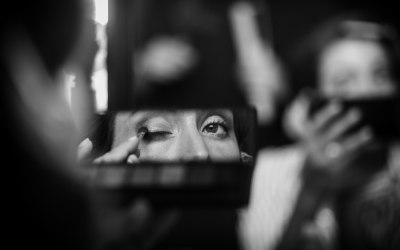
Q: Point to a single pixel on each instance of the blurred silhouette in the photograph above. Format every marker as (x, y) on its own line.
(182, 53)
(349, 165)
(259, 70)
(312, 194)
(49, 206)
(52, 205)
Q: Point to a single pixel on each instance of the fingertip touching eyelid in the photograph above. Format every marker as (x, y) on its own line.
(154, 124)
(156, 135)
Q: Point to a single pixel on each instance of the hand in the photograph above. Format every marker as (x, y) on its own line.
(134, 225)
(331, 150)
(125, 152)
(325, 138)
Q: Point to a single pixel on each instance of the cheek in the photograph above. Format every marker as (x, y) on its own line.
(156, 151)
(381, 87)
(226, 150)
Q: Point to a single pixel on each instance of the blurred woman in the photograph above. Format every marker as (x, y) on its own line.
(48, 207)
(348, 167)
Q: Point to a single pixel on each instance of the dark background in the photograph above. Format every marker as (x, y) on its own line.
(293, 19)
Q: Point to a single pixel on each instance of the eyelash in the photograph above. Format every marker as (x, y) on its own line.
(159, 135)
(154, 135)
(218, 123)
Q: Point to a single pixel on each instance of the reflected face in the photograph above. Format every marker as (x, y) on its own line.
(355, 68)
(185, 135)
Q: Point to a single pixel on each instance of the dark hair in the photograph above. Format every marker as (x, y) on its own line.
(245, 122)
(349, 25)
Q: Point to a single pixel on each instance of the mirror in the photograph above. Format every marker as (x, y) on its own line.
(176, 156)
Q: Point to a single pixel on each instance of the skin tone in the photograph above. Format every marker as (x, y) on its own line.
(176, 136)
(355, 68)
(348, 69)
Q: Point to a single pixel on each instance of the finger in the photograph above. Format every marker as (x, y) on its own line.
(348, 149)
(84, 149)
(339, 127)
(120, 153)
(325, 116)
(132, 159)
(357, 141)
(352, 148)
(296, 117)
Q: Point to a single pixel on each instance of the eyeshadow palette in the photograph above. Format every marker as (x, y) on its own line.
(177, 184)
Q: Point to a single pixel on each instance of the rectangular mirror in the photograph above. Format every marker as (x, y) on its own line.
(180, 157)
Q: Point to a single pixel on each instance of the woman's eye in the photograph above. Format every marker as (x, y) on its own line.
(215, 129)
(156, 135)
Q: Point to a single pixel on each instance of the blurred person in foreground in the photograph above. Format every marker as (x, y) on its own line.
(51, 205)
(337, 187)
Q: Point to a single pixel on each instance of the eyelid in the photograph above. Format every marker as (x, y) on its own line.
(214, 119)
(154, 124)
(156, 136)
(220, 122)
(219, 115)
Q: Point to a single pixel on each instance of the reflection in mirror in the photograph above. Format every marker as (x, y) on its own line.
(166, 154)
(175, 135)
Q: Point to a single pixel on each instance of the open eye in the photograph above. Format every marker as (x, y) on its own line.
(215, 126)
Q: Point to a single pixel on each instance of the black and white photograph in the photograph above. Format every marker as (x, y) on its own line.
(201, 124)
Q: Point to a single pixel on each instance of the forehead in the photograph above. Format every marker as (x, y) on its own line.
(178, 114)
(352, 53)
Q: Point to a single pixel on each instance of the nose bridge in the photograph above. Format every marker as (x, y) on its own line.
(192, 145)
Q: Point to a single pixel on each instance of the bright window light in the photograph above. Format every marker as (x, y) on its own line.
(101, 11)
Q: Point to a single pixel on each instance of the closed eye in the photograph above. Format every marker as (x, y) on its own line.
(156, 135)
